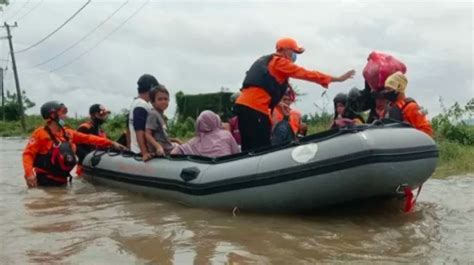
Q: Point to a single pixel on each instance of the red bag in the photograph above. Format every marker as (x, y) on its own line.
(379, 67)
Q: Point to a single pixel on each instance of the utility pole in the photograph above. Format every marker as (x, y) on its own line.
(15, 73)
(3, 94)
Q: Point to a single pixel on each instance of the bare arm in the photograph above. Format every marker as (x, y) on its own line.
(150, 139)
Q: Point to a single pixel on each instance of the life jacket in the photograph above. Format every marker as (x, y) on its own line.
(294, 119)
(259, 76)
(89, 125)
(396, 113)
(60, 159)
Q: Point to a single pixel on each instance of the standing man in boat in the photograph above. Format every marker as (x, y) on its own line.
(50, 156)
(138, 115)
(264, 85)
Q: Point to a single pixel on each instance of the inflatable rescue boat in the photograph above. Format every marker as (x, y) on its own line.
(327, 168)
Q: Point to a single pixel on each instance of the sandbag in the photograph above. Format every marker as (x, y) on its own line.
(380, 66)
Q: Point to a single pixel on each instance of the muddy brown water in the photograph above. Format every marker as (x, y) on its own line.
(87, 224)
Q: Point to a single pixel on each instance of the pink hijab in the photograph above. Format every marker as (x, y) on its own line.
(210, 140)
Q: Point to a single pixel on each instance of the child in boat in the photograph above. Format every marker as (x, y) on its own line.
(211, 139)
(156, 136)
(342, 115)
(380, 108)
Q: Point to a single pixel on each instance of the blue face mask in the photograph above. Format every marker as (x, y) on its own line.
(61, 122)
(294, 56)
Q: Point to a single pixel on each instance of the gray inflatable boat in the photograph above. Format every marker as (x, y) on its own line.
(323, 169)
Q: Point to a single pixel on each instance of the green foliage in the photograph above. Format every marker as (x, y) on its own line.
(12, 108)
(451, 124)
(193, 105)
(115, 126)
(317, 122)
(454, 158)
(13, 128)
(4, 3)
(182, 130)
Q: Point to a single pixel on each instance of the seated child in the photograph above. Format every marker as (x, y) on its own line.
(156, 136)
(343, 116)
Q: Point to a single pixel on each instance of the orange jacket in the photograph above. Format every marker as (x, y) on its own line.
(412, 114)
(294, 119)
(41, 143)
(281, 69)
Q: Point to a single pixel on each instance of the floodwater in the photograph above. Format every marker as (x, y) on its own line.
(87, 224)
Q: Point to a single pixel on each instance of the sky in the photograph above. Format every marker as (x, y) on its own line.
(201, 46)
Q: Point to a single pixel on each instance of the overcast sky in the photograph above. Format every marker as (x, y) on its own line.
(201, 46)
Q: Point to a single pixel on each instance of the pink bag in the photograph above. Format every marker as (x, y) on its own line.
(379, 67)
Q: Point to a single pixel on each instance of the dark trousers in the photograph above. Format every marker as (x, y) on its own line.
(255, 128)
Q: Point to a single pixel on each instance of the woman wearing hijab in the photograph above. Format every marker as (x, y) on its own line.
(211, 139)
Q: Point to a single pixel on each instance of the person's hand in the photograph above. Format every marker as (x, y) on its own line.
(285, 109)
(347, 75)
(147, 156)
(159, 151)
(118, 146)
(176, 140)
(343, 122)
(31, 181)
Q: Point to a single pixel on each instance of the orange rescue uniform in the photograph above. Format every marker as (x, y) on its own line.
(412, 114)
(281, 69)
(40, 143)
(294, 119)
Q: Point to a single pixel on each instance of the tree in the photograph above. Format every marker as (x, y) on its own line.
(4, 3)
(12, 109)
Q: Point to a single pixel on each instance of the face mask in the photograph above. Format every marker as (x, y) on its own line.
(98, 121)
(61, 122)
(391, 96)
(294, 56)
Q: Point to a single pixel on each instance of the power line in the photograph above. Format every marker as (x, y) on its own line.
(21, 8)
(84, 37)
(103, 39)
(29, 11)
(56, 30)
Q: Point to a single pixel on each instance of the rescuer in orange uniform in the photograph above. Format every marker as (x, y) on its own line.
(50, 156)
(283, 110)
(264, 85)
(98, 116)
(402, 108)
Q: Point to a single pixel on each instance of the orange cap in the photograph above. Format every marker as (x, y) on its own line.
(288, 43)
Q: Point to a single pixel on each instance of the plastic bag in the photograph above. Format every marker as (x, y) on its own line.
(380, 66)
